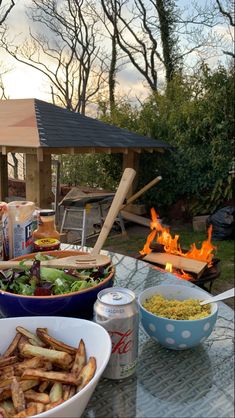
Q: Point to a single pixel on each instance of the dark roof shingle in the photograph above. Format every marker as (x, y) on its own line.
(60, 128)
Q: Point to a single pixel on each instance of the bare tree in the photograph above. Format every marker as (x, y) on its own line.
(67, 54)
(167, 16)
(138, 45)
(227, 11)
(5, 8)
(157, 36)
(2, 89)
(112, 16)
(145, 33)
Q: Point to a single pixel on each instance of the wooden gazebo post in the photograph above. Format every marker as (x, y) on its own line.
(3, 177)
(131, 159)
(38, 179)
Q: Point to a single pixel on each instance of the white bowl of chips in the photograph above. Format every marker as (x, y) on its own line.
(56, 369)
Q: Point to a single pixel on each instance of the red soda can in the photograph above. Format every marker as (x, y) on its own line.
(116, 310)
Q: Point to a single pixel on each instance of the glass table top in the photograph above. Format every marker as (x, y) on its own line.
(195, 383)
(169, 384)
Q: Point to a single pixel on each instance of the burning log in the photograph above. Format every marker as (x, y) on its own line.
(168, 249)
(178, 262)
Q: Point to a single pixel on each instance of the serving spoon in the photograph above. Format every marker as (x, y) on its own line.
(90, 259)
(225, 295)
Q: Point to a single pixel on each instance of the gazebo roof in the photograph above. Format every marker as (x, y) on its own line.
(32, 123)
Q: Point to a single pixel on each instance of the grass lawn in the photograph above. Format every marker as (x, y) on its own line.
(224, 250)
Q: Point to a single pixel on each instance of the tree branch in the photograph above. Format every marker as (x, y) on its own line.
(5, 10)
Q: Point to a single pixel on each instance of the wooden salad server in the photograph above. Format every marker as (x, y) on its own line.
(92, 259)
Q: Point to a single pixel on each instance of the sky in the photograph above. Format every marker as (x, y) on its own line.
(22, 81)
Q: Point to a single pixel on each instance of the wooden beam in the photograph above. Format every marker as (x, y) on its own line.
(143, 190)
(72, 151)
(40, 154)
(80, 150)
(161, 150)
(135, 218)
(83, 150)
(20, 150)
(3, 177)
(38, 180)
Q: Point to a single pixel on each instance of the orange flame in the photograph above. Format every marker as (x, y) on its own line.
(169, 267)
(171, 245)
(205, 252)
(150, 238)
(184, 275)
(155, 224)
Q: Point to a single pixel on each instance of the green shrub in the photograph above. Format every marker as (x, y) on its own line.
(196, 116)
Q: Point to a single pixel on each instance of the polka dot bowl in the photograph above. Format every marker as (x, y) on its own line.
(172, 333)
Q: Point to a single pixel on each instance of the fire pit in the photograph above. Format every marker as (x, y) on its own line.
(163, 250)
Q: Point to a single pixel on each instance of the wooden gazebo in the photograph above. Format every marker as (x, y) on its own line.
(40, 129)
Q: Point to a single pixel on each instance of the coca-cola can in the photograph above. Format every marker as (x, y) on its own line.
(116, 310)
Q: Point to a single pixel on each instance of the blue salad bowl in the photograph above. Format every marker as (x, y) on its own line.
(76, 304)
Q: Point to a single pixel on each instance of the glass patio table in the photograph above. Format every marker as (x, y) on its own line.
(169, 384)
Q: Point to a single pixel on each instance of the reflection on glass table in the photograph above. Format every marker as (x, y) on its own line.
(168, 383)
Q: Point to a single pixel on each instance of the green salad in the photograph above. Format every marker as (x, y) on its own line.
(46, 281)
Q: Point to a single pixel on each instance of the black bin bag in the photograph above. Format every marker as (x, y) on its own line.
(223, 223)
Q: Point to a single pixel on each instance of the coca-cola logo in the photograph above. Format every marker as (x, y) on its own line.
(122, 342)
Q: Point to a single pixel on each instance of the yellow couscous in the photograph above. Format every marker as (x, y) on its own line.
(176, 309)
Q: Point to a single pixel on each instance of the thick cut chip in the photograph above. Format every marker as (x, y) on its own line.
(43, 386)
(68, 378)
(24, 384)
(72, 391)
(59, 357)
(54, 343)
(87, 373)
(53, 405)
(31, 410)
(22, 342)
(13, 346)
(6, 361)
(8, 381)
(7, 371)
(66, 391)
(40, 406)
(56, 392)
(80, 358)
(30, 336)
(32, 363)
(32, 395)
(17, 395)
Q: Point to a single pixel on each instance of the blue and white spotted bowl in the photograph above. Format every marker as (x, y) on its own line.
(172, 333)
